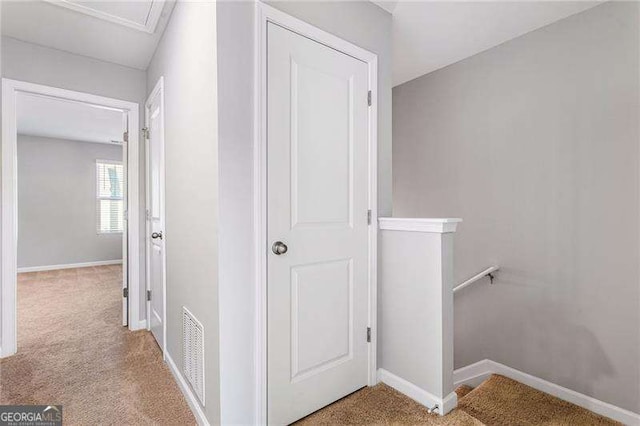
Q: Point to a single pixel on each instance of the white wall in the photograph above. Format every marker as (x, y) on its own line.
(51, 67)
(237, 282)
(361, 23)
(416, 300)
(186, 57)
(535, 144)
(57, 208)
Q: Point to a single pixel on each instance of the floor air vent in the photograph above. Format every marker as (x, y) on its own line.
(193, 353)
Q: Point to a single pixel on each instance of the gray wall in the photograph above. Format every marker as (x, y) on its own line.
(361, 23)
(38, 64)
(57, 216)
(534, 144)
(51, 67)
(186, 57)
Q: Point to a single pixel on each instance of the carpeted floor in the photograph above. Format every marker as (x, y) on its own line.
(496, 402)
(73, 351)
(382, 405)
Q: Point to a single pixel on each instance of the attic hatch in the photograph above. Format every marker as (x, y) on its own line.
(142, 15)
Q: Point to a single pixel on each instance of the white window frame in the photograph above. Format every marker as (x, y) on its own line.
(99, 198)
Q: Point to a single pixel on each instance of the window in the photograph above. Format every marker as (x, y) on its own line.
(110, 180)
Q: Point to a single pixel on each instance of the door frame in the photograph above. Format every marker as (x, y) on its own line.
(158, 88)
(9, 202)
(264, 15)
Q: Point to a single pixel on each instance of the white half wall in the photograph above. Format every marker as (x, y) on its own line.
(415, 324)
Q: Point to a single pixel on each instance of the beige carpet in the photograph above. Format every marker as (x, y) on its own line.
(73, 351)
(497, 401)
(502, 401)
(382, 405)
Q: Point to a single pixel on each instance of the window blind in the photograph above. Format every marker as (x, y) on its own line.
(110, 196)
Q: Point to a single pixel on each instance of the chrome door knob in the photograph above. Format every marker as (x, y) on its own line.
(156, 235)
(279, 248)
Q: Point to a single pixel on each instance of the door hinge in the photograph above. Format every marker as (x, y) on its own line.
(125, 292)
(125, 136)
(148, 294)
(148, 214)
(145, 132)
(368, 217)
(368, 334)
(369, 98)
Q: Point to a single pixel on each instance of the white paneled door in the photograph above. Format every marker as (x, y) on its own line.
(318, 197)
(155, 213)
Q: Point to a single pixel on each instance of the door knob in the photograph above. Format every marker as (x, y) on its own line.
(156, 235)
(279, 248)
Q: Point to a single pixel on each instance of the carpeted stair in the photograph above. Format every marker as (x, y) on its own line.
(497, 401)
(502, 401)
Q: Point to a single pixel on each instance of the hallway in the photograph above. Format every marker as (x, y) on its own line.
(73, 351)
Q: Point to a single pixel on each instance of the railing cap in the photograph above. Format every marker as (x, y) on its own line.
(434, 225)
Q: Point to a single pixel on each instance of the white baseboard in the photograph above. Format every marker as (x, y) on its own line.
(141, 325)
(187, 392)
(69, 266)
(4, 355)
(474, 374)
(416, 393)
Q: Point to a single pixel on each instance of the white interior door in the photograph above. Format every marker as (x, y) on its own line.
(318, 198)
(155, 213)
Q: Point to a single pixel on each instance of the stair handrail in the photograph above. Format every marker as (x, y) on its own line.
(486, 273)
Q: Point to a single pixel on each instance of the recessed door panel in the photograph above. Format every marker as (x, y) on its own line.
(322, 317)
(321, 145)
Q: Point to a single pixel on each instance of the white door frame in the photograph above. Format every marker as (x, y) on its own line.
(158, 88)
(9, 228)
(264, 15)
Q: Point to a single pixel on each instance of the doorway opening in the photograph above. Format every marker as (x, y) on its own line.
(70, 205)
